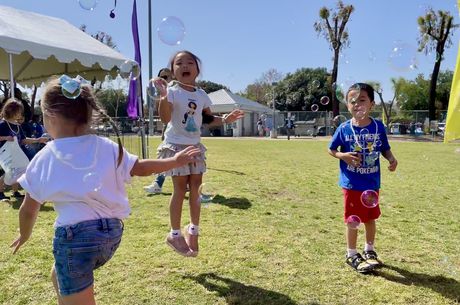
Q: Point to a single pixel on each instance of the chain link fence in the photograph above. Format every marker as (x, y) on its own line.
(322, 123)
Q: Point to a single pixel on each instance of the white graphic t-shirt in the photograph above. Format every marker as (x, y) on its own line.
(186, 117)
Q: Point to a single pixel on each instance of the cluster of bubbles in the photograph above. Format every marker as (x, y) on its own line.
(171, 30)
(324, 100)
(369, 199)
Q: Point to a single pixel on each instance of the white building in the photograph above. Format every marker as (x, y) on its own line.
(224, 101)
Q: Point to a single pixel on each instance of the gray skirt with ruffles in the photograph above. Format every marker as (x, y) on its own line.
(167, 150)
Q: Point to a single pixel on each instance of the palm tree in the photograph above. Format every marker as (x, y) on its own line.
(435, 35)
(332, 25)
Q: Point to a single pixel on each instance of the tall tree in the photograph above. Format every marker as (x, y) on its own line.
(332, 26)
(436, 29)
(443, 87)
(412, 93)
(113, 101)
(262, 89)
(302, 89)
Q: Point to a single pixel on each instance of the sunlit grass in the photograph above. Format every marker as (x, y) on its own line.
(274, 234)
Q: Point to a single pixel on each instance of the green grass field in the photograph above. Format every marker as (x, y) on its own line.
(274, 235)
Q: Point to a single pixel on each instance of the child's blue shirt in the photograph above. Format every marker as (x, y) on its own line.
(369, 142)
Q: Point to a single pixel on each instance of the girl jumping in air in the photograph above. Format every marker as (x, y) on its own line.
(183, 107)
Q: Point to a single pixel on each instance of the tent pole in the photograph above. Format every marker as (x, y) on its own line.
(10, 59)
(141, 120)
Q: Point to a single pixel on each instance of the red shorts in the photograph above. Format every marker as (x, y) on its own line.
(353, 206)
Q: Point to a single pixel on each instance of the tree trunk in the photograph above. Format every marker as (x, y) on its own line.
(385, 110)
(432, 95)
(335, 102)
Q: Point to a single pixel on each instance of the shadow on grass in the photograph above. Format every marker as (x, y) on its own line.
(227, 171)
(447, 287)
(16, 204)
(232, 202)
(159, 194)
(237, 293)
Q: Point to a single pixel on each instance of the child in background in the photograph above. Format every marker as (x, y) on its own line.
(10, 127)
(84, 175)
(157, 185)
(358, 143)
(173, 109)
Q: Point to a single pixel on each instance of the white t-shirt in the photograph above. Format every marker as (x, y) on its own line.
(80, 176)
(186, 117)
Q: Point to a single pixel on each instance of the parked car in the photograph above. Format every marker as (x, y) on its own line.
(325, 131)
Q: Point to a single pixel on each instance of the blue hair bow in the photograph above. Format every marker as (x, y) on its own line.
(71, 87)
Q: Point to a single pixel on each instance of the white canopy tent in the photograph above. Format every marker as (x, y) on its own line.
(34, 47)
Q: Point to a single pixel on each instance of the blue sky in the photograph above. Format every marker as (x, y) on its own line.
(239, 40)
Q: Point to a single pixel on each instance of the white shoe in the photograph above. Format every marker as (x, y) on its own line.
(153, 189)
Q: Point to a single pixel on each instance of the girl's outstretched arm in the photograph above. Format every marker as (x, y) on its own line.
(147, 167)
(27, 216)
(226, 119)
(164, 107)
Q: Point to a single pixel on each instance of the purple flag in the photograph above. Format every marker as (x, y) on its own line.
(135, 85)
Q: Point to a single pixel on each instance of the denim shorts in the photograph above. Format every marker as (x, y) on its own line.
(80, 248)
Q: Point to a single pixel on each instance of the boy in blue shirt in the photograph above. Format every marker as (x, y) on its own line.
(358, 144)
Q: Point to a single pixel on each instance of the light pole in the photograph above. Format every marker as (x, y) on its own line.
(273, 131)
(150, 101)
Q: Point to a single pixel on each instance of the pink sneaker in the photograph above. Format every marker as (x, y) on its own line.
(192, 241)
(178, 244)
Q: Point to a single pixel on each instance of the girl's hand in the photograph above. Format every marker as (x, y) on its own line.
(233, 116)
(9, 138)
(351, 158)
(393, 164)
(17, 243)
(187, 155)
(161, 85)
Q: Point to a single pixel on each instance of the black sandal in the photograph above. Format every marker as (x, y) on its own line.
(371, 258)
(358, 263)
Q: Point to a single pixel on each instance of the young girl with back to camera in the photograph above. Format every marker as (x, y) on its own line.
(84, 175)
(184, 107)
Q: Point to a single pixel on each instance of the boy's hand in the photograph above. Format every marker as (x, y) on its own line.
(187, 155)
(351, 158)
(393, 164)
(17, 243)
